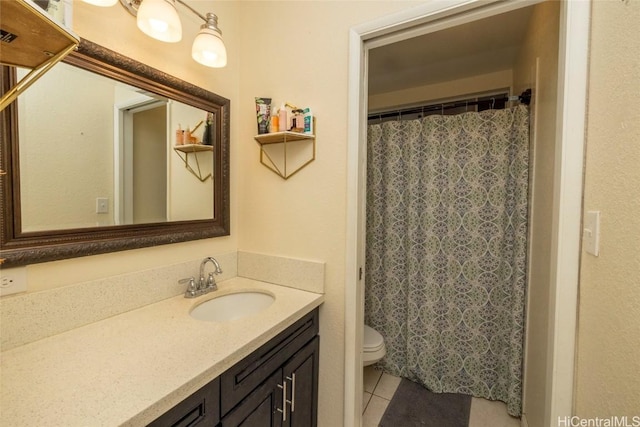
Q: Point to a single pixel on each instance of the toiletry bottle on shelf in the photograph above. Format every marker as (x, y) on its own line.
(263, 114)
(282, 119)
(187, 136)
(179, 136)
(207, 137)
(274, 124)
(308, 121)
(298, 120)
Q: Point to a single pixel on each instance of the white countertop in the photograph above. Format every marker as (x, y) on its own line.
(133, 367)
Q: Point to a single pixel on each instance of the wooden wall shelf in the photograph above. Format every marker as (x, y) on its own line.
(31, 39)
(285, 138)
(193, 148)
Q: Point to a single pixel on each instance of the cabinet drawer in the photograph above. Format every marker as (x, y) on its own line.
(201, 408)
(243, 377)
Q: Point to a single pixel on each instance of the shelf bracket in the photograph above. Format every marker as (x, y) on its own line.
(185, 160)
(31, 78)
(284, 139)
(31, 39)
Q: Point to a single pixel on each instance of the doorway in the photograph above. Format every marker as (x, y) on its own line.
(141, 169)
(564, 249)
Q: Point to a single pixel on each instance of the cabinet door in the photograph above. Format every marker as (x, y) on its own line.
(201, 408)
(261, 408)
(242, 378)
(301, 375)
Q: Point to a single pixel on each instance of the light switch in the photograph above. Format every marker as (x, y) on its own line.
(591, 232)
(102, 205)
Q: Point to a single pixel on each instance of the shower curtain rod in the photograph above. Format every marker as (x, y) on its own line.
(524, 98)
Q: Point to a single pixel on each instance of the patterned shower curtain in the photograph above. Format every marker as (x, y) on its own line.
(447, 209)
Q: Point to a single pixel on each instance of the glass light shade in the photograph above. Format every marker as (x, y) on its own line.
(101, 3)
(208, 49)
(159, 19)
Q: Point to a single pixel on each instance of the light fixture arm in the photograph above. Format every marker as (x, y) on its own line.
(133, 5)
(211, 20)
(192, 10)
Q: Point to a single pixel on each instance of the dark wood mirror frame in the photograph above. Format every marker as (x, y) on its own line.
(18, 248)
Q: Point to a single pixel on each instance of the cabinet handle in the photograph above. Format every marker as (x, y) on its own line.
(293, 391)
(284, 401)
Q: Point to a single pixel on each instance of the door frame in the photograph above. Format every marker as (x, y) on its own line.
(567, 191)
(123, 153)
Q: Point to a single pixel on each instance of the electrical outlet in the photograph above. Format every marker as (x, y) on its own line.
(13, 280)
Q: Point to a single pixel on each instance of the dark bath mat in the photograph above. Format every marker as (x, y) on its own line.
(413, 405)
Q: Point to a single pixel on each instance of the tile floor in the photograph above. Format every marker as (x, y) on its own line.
(379, 389)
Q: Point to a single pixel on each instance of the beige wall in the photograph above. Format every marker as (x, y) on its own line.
(189, 198)
(476, 84)
(608, 366)
(63, 149)
(304, 216)
(539, 47)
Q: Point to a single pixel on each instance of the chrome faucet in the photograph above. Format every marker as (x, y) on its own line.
(210, 283)
(203, 286)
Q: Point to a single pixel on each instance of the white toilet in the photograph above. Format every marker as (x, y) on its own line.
(373, 348)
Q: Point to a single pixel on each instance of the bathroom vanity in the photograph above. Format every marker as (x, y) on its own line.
(276, 385)
(157, 365)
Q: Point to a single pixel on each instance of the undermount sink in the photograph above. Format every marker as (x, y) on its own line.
(232, 306)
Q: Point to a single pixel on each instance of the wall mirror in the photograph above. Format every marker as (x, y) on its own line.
(105, 154)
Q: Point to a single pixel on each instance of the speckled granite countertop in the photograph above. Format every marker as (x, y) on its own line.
(131, 368)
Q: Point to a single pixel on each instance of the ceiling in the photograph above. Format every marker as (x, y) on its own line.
(479, 47)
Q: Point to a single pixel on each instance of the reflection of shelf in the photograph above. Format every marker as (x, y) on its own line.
(286, 138)
(193, 149)
(31, 39)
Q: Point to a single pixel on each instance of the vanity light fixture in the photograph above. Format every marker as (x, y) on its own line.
(208, 47)
(159, 19)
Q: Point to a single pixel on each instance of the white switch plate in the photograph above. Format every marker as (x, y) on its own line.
(102, 205)
(13, 280)
(591, 233)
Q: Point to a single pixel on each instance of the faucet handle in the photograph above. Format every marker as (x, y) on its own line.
(211, 283)
(191, 289)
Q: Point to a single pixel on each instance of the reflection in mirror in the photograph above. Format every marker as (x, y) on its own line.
(104, 153)
(97, 152)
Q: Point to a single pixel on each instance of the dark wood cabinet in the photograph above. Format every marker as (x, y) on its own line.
(275, 386)
(201, 408)
(261, 408)
(301, 375)
(288, 398)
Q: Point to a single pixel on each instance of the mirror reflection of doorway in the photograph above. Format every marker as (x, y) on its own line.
(142, 190)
